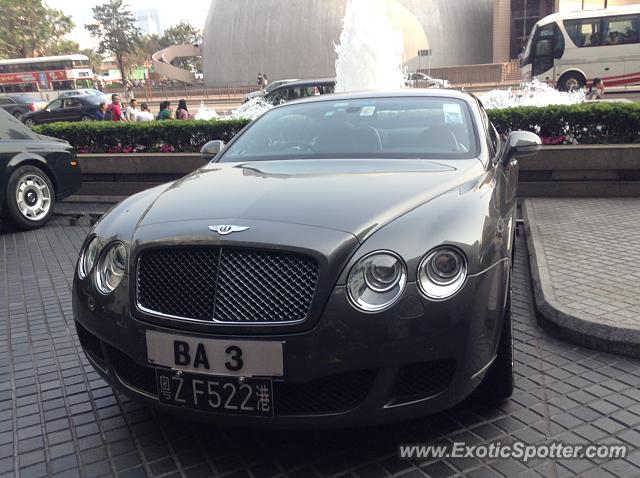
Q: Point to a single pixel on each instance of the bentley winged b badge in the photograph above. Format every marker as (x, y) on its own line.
(225, 229)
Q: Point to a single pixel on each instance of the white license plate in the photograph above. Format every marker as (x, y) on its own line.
(246, 358)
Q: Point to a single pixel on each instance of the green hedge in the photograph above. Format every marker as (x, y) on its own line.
(152, 136)
(592, 123)
(588, 123)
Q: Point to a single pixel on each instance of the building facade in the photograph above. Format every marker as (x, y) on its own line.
(297, 38)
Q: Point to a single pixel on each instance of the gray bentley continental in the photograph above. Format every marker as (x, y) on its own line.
(344, 260)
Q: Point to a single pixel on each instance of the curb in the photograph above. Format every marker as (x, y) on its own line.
(559, 320)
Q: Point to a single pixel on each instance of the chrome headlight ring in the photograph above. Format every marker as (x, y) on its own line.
(88, 257)
(111, 268)
(376, 281)
(442, 273)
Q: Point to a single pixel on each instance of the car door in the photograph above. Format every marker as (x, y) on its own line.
(72, 109)
(52, 112)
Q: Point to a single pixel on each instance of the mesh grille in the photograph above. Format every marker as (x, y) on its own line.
(335, 393)
(179, 282)
(228, 285)
(269, 287)
(424, 379)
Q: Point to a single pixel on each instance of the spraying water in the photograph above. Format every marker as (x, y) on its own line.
(205, 113)
(371, 51)
(534, 93)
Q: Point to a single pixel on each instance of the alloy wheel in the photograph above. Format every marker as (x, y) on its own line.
(33, 197)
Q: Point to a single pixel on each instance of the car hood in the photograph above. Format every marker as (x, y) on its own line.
(354, 196)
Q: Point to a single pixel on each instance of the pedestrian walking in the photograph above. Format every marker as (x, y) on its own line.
(165, 112)
(100, 112)
(114, 111)
(144, 114)
(182, 113)
(131, 111)
(597, 90)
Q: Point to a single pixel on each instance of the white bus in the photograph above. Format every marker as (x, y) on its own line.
(569, 50)
(45, 73)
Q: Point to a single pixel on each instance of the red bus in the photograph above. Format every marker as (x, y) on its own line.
(46, 73)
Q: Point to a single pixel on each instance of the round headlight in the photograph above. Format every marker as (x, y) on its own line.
(88, 258)
(442, 273)
(111, 268)
(376, 281)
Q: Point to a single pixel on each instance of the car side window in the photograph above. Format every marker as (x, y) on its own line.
(72, 103)
(54, 105)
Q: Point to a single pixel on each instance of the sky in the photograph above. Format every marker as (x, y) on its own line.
(170, 13)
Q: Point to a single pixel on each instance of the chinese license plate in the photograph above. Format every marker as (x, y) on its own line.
(227, 395)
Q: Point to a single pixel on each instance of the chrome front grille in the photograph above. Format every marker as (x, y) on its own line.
(233, 286)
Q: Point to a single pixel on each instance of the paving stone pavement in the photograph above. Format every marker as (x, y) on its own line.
(591, 248)
(58, 418)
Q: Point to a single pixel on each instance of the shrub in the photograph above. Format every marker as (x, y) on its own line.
(153, 136)
(589, 123)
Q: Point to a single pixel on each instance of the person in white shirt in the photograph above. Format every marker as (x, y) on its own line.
(131, 111)
(144, 114)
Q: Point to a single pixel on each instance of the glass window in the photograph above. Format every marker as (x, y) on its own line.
(6, 101)
(584, 32)
(54, 105)
(11, 128)
(621, 30)
(72, 103)
(414, 127)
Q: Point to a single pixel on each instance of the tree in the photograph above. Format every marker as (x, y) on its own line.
(29, 28)
(116, 31)
(183, 33)
(95, 59)
(64, 47)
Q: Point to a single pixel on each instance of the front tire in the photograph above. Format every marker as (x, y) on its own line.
(86, 118)
(499, 382)
(30, 197)
(30, 123)
(572, 81)
(18, 115)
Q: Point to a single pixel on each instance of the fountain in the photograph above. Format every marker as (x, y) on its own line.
(205, 113)
(371, 51)
(533, 93)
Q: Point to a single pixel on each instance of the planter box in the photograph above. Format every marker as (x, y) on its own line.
(558, 171)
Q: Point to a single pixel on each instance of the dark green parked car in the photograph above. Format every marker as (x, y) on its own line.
(35, 172)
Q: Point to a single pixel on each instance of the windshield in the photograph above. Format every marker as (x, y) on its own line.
(11, 128)
(404, 127)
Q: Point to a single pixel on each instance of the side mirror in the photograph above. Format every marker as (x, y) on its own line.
(522, 144)
(211, 149)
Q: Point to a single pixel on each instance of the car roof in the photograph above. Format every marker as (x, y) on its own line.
(308, 82)
(399, 93)
(93, 98)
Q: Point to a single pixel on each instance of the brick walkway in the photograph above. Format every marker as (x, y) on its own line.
(58, 418)
(592, 249)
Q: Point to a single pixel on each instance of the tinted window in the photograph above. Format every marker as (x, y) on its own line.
(11, 128)
(621, 30)
(6, 101)
(584, 32)
(54, 105)
(414, 127)
(72, 103)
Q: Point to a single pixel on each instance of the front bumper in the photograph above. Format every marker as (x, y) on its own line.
(350, 369)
